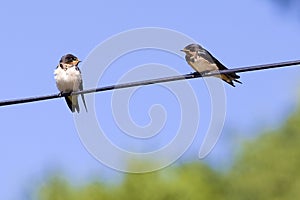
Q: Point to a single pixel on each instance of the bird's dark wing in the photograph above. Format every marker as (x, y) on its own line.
(206, 55)
(81, 88)
(212, 59)
(82, 96)
(220, 65)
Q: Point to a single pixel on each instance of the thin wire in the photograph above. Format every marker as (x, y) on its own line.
(152, 81)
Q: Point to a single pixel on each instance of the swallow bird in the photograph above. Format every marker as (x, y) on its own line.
(202, 61)
(68, 79)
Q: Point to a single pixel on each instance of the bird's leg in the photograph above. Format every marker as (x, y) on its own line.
(194, 73)
(203, 73)
(61, 94)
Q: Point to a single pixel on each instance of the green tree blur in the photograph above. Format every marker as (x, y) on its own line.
(265, 168)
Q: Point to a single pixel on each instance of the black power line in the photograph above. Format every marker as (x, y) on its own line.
(152, 81)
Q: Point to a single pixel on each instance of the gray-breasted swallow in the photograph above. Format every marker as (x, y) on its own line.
(202, 61)
(68, 79)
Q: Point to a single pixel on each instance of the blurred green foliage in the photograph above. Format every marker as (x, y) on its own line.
(266, 168)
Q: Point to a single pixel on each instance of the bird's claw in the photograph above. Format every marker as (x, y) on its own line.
(63, 94)
(206, 72)
(194, 73)
(203, 73)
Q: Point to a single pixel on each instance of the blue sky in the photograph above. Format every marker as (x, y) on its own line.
(41, 137)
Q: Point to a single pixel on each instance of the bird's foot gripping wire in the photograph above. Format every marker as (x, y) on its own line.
(205, 72)
(194, 73)
(197, 74)
(63, 94)
(60, 94)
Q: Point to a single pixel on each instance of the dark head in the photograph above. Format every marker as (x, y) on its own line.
(191, 49)
(69, 59)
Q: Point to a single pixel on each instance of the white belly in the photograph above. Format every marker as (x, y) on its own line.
(67, 80)
(201, 65)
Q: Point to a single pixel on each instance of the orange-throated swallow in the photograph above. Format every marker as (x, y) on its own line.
(68, 79)
(202, 61)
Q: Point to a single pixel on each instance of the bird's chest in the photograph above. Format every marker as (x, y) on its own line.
(67, 80)
(200, 64)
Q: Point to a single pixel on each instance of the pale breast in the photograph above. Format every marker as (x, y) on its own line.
(67, 80)
(200, 65)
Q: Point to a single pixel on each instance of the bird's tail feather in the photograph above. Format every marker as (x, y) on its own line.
(83, 100)
(72, 102)
(237, 81)
(229, 79)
